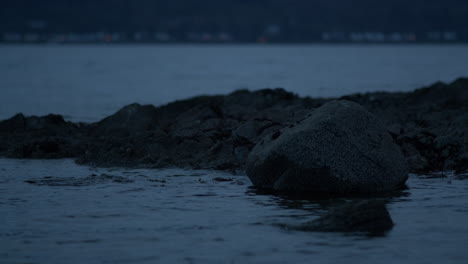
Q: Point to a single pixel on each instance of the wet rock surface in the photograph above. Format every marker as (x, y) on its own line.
(218, 132)
(340, 148)
(432, 122)
(368, 216)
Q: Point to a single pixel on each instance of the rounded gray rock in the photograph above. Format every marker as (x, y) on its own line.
(340, 148)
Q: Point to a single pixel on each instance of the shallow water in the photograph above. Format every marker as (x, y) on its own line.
(89, 82)
(55, 211)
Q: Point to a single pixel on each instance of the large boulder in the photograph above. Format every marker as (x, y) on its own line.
(339, 149)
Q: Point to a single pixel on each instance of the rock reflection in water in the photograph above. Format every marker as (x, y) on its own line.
(174, 215)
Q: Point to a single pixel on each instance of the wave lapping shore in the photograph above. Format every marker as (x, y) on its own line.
(217, 132)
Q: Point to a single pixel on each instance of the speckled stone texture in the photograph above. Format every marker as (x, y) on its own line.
(340, 148)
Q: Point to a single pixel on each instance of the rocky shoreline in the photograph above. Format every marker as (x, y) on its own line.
(218, 132)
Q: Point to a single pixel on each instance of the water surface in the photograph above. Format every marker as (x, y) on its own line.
(89, 82)
(58, 212)
(55, 211)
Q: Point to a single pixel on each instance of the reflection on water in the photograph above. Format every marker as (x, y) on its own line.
(57, 211)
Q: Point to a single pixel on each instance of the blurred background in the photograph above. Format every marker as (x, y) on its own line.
(214, 21)
(87, 58)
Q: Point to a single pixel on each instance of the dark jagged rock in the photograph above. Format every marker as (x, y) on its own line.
(370, 216)
(218, 132)
(47, 137)
(131, 119)
(50, 124)
(339, 149)
(433, 122)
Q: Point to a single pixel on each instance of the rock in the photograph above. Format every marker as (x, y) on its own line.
(241, 153)
(441, 94)
(460, 163)
(15, 123)
(254, 128)
(52, 124)
(370, 216)
(442, 142)
(339, 149)
(217, 132)
(128, 120)
(45, 137)
(394, 130)
(248, 130)
(417, 163)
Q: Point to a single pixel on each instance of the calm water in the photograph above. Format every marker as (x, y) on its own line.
(86, 83)
(55, 212)
(59, 212)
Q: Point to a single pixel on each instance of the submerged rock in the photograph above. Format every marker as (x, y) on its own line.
(339, 149)
(370, 216)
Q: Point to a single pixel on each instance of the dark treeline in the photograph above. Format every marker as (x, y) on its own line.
(241, 20)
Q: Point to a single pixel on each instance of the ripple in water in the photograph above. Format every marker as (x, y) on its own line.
(56, 211)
